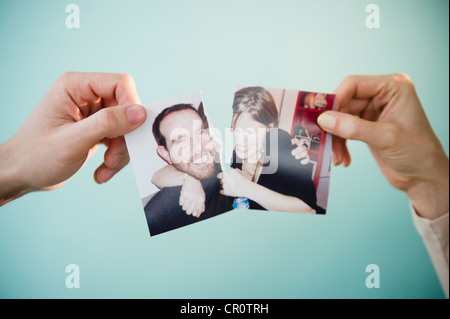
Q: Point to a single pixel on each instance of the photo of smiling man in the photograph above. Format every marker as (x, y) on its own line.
(189, 187)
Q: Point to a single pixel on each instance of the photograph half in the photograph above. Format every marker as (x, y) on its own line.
(280, 153)
(176, 165)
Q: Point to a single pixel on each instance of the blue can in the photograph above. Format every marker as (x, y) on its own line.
(241, 203)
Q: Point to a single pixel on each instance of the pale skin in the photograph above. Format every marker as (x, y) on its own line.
(300, 152)
(238, 185)
(187, 140)
(193, 196)
(385, 112)
(250, 137)
(82, 110)
(382, 111)
(78, 112)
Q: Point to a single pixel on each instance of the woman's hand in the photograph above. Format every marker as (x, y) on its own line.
(385, 112)
(235, 184)
(192, 196)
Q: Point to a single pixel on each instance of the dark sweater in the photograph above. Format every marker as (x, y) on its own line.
(291, 178)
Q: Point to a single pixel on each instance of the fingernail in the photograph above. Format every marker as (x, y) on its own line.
(326, 121)
(135, 114)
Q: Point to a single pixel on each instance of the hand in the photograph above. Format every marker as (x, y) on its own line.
(300, 152)
(192, 196)
(385, 112)
(234, 184)
(79, 111)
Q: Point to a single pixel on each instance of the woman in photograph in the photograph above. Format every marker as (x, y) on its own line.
(264, 168)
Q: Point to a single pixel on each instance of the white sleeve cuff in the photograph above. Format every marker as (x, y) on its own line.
(435, 235)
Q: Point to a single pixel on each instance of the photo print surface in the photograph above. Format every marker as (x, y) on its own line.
(174, 161)
(281, 158)
(274, 156)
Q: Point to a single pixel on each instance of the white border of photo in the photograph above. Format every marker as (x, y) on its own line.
(142, 145)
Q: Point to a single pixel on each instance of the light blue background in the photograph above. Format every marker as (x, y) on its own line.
(175, 47)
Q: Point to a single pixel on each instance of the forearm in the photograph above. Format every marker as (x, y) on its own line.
(11, 185)
(272, 200)
(168, 176)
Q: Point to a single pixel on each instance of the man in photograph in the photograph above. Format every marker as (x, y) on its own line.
(184, 143)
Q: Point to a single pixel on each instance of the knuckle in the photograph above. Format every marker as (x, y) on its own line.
(350, 78)
(352, 127)
(64, 80)
(106, 121)
(67, 75)
(126, 78)
(402, 79)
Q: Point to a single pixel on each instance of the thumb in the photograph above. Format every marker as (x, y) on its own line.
(111, 121)
(377, 134)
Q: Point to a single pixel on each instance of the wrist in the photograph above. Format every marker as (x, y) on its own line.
(250, 190)
(189, 181)
(430, 195)
(12, 181)
(186, 178)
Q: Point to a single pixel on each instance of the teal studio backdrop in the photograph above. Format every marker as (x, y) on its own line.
(176, 47)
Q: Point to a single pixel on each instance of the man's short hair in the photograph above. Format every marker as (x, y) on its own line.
(160, 139)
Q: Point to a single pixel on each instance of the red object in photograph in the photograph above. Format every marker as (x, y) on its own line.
(304, 125)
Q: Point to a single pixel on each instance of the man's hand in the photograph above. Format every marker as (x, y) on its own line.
(300, 152)
(385, 112)
(79, 111)
(192, 196)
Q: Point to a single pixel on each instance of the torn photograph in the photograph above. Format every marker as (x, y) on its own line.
(273, 157)
(281, 157)
(176, 166)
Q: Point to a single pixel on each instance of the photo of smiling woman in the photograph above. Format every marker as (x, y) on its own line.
(260, 143)
(271, 169)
